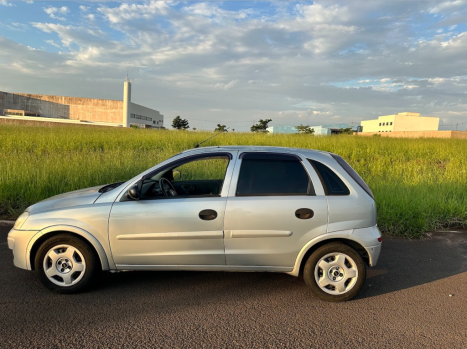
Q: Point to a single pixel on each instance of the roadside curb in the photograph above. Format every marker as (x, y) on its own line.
(7, 222)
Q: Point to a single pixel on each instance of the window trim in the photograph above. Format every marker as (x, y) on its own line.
(179, 162)
(187, 159)
(310, 189)
(243, 154)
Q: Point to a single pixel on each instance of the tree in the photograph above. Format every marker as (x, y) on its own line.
(261, 126)
(180, 124)
(194, 128)
(305, 129)
(347, 130)
(233, 130)
(221, 128)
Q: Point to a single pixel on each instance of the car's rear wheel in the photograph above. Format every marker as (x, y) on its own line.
(335, 272)
(66, 264)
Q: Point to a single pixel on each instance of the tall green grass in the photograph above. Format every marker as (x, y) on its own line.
(419, 184)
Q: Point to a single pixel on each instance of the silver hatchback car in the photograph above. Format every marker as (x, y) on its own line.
(296, 211)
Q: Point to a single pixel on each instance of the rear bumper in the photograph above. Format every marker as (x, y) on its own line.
(373, 253)
(18, 241)
(368, 238)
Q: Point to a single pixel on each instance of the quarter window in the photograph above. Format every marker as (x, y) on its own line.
(272, 174)
(353, 174)
(332, 184)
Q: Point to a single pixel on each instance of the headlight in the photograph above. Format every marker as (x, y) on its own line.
(20, 221)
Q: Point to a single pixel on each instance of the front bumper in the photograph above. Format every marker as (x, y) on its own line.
(18, 241)
(368, 238)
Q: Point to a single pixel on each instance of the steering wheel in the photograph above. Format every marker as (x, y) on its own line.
(167, 192)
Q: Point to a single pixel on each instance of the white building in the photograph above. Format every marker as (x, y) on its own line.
(401, 122)
(105, 112)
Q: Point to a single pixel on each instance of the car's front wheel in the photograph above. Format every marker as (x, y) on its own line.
(335, 272)
(66, 264)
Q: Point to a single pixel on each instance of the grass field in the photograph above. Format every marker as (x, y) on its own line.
(419, 184)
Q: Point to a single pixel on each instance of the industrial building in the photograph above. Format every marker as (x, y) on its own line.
(400, 122)
(76, 110)
(320, 130)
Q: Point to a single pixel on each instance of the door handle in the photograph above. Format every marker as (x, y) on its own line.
(304, 213)
(208, 215)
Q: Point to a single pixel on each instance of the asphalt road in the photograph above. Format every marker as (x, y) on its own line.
(416, 297)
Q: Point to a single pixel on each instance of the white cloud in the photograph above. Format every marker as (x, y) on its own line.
(126, 12)
(86, 39)
(5, 3)
(53, 43)
(55, 12)
(317, 13)
(215, 13)
(447, 5)
(15, 26)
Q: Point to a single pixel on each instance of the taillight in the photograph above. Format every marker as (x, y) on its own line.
(380, 239)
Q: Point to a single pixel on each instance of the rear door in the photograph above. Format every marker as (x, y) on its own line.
(273, 210)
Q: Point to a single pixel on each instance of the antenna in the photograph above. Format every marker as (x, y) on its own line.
(218, 133)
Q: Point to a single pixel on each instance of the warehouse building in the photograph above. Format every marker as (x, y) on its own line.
(76, 110)
(400, 122)
(320, 130)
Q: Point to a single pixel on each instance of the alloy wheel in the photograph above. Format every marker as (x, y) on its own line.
(64, 265)
(336, 273)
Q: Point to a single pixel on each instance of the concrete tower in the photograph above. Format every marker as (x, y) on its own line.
(126, 102)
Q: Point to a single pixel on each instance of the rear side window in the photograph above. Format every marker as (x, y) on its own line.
(353, 174)
(272, 174)
(332, 184)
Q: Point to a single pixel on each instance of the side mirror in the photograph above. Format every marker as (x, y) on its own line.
(134, 192)
(176, 174)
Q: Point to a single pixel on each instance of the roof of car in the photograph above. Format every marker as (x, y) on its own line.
(258, 148)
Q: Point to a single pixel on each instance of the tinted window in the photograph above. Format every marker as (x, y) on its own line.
(332, 184)
(272, 174)
(353, 174)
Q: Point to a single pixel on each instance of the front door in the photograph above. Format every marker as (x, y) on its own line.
(272, 211)
(181, 230)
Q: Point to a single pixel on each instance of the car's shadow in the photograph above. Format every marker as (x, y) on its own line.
(408, 263)
(403, 264)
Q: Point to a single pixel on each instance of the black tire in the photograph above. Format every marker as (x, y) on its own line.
(91, 262)
(332, 294)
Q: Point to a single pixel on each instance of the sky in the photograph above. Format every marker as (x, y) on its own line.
(235, 62)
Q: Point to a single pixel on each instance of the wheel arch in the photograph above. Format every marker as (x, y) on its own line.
(83, 235)
(342, 237)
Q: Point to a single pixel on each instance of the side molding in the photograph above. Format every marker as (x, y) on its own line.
(174, 236)
(72, 229)
(260, 234)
